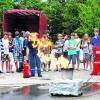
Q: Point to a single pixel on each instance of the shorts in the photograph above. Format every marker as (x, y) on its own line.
(11, 58)
(57, 55)
(72, 58)
(19, 58)
(77, 53)
(65, 54)
(25, 59)
(85, 56)
(4, 57)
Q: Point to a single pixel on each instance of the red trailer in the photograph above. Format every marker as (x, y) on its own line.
(24, 20)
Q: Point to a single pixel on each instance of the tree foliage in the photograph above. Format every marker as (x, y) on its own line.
(89, 16)
(63, 15)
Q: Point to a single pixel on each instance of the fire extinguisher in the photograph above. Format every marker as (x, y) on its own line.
(26, 73)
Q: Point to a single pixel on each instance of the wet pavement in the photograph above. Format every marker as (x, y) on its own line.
(91, 91)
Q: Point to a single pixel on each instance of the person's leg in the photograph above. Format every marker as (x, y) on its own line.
(60, 66)
(11, 63)
(7, 67)
(56, 55)
(16, 63)
(49, 63)
(7, 63)
(21, 60)
(2, 62)
(73, 61)
(65, 54)
(78, 60)
(87, 61)
(2, 66)
(91, 62)
(84, 60)
(32, 64)
(69, 58)
(38, 64)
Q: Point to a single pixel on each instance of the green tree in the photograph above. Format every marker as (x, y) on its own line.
(63, 15)
(89, 16)
(4, 5)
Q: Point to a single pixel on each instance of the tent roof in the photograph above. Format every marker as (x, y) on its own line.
(23, 12)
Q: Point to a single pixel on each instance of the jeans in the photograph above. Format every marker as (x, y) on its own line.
(73, 58)
(34, 61)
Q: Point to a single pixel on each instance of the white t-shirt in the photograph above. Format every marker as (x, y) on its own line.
(5, 43)
(65, 47)
(78, 44)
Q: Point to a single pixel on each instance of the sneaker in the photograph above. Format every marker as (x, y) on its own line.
(17, 70)
(39, 75)
(32, 75)
(1, 71)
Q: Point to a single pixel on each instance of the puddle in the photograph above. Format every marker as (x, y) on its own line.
(91, 88)
(40, 92)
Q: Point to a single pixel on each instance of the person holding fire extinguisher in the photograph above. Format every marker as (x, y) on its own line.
(34, 59)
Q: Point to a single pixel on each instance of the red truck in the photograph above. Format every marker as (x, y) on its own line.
(24, 20)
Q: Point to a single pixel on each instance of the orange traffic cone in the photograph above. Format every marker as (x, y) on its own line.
(26, 73)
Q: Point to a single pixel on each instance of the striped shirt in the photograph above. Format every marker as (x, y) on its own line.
(4, 46)
(1, 46)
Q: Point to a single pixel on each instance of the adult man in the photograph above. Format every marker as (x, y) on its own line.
(95, 41)
(34, 59)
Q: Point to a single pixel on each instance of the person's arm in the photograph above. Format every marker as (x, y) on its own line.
(65, 47)
(58, 45)
(72, 46)
(13, 43)
(84, 45)
(27, 53)
(91, 42)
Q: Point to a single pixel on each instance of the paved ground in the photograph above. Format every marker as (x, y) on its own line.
(16, 79)
(11, 82)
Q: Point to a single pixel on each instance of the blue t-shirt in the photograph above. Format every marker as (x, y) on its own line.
(95, 41)
(31, 49)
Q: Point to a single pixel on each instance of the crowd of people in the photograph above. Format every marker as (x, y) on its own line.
(15, 51)
(77, 49)
(12, 51)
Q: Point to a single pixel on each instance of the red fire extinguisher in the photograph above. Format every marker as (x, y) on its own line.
(26, 73)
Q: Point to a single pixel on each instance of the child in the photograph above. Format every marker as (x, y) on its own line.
(72, 50)
(85, 46)
(5, 52)
(78, 40)
(59, 45)
(65, 53)
(11, 46)
(17, 52)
